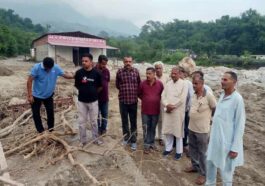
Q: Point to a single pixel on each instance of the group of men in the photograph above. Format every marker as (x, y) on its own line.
(181, 110)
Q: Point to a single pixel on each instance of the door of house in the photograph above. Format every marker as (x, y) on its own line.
(77, 55)
(76, 60)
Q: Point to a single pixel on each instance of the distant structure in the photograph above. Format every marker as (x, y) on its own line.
(68, 46)
(258, 56)
(189, 52)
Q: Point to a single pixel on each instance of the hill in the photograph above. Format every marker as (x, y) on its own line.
(62, 17)
(16, 33)
(242, 35)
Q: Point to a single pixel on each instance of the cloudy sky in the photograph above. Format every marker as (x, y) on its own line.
(140, 11)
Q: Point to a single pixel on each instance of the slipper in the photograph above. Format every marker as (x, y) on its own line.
(146, 151)
(161, 143)
(154, 148)
(200, 180)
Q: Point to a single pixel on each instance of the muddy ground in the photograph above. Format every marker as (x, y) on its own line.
(119, 166)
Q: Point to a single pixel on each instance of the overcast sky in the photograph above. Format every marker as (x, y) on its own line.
(140, 11)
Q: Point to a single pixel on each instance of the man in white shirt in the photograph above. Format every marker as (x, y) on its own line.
(159, 67)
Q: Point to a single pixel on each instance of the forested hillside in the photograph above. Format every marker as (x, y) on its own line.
(16, 33)
(222, 41)
(240, 35)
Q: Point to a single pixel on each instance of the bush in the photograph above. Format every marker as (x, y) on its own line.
(173, 58)
(235, 61)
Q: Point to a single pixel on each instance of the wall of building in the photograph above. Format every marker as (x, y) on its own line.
(96, 52)
(64, 54)
(41, 52)
(51, 51)
(40, 42)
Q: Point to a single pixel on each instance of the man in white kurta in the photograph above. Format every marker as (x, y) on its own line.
(184, 75)
(159, 67)
(225, 150)
(173, 100)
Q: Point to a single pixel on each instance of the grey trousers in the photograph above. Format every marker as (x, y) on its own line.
(159, 123)
(87, 115)
(149, 129)
(198, 144)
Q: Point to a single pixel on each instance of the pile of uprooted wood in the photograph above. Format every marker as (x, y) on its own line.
(28, 143)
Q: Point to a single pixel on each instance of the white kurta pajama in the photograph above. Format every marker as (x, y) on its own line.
(174, 94)
(226, 135)
(164, 79)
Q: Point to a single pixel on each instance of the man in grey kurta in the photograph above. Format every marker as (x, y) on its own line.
(173, 100)
(225, 150)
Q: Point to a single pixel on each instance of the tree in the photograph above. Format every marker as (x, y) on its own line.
(224, 36)
(16, 33)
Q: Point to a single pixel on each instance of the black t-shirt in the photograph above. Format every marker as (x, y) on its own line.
(87, 83)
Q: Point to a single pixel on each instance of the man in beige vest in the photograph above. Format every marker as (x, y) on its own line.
(203, 104)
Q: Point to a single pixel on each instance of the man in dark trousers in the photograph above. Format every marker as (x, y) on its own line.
(150, 93)
(127, 82)
(43, 77)
(103, 99)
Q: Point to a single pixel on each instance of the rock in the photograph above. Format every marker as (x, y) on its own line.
(188, 64)
(254, 96)
(5, 71)
(16, 101)
(261, 69)
(141, 67)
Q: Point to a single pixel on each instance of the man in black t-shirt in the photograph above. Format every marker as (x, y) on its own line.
(88, 81)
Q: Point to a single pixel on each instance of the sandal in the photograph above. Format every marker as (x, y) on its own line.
(161, 143)
(154, 148)
(146, 151)
(200, 180)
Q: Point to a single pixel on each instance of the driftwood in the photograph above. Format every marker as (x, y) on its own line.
(4, 176)
(7, 130)
(65, 123)
(68, 152)
(3, 164)
(88, 174)
(9, 181)
(40, 143)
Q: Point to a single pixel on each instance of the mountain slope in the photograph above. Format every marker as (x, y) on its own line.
(63, 17)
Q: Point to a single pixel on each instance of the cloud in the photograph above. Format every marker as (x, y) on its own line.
(140, 11)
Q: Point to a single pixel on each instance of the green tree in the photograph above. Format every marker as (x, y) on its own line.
(16, 33)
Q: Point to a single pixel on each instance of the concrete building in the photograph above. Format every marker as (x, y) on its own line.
(68, 46)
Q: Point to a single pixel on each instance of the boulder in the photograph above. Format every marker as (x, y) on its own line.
(188, 64)
(5, 71)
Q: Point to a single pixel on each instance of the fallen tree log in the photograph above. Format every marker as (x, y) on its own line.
(7, 130)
